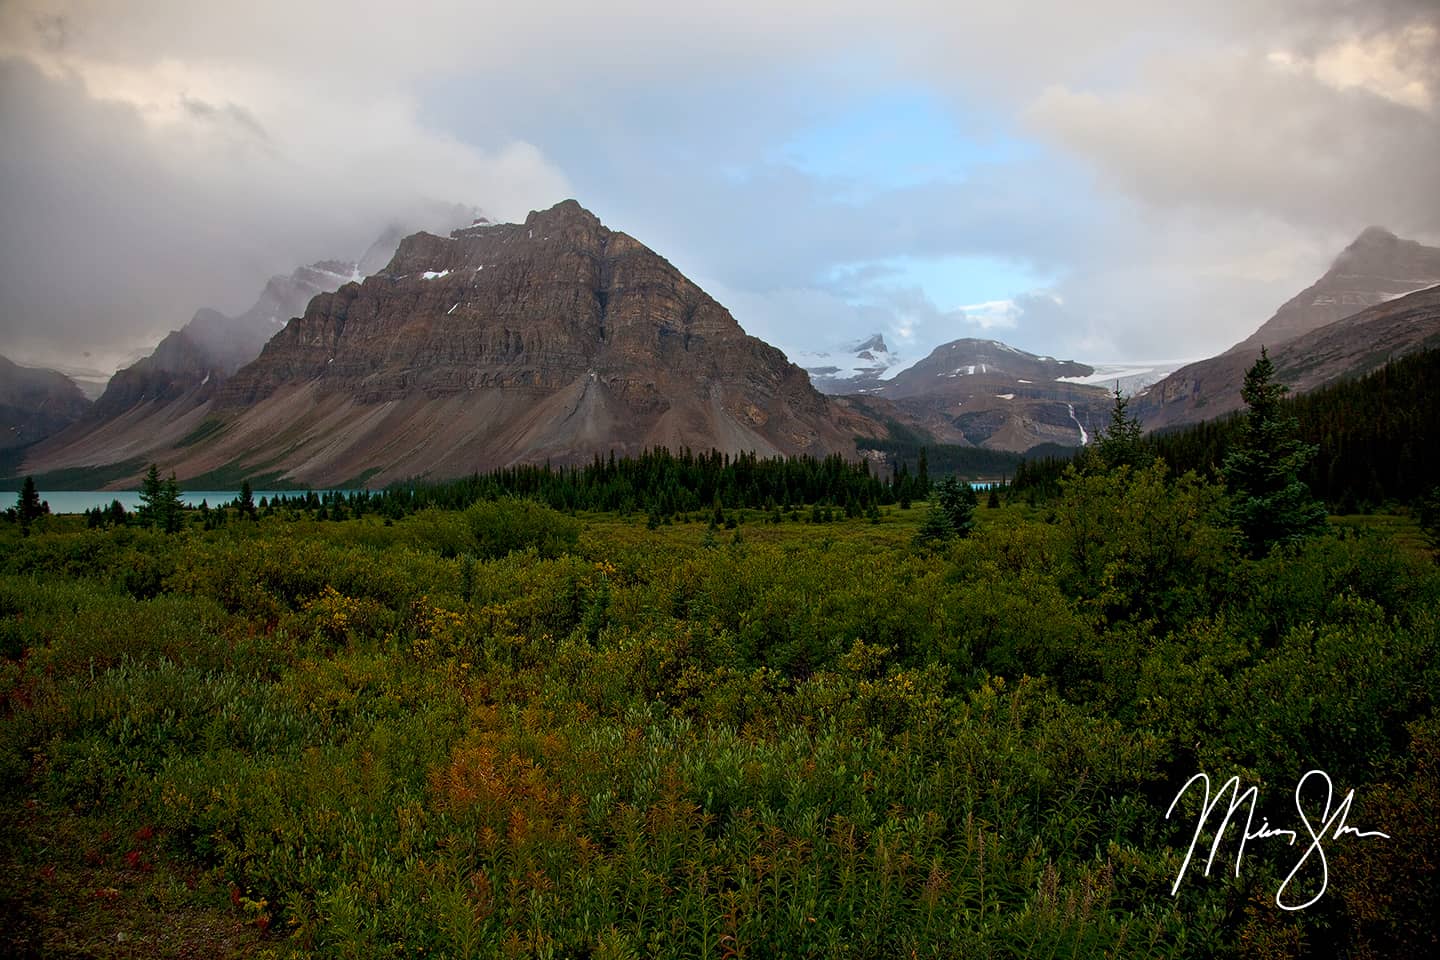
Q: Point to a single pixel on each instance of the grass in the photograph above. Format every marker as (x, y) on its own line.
(209, 428)
(83, 478)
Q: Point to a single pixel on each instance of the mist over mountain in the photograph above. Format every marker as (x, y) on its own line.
(552, 339)
(1362, 311)
(36, 403)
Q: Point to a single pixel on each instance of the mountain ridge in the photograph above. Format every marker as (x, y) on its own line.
(553, 339)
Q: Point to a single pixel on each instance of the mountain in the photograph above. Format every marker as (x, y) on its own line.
(1334, 315)
(502, 343)
(1355, 345)
(192, 362)
(36, 403)
(1376, 267)
(850, 368)
(988, 394)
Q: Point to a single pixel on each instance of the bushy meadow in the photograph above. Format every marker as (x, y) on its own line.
(508, 731)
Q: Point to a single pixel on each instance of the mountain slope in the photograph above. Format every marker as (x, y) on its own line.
(1374, 280)
(36, 403)
(1349, 347)
(551, 339)
(190, 363)
(1378, 266)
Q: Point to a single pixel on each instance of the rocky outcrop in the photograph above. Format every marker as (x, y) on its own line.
(552, 339)
(1376, 271)
(35, 404)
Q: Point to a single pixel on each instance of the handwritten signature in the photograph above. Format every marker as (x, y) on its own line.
(1328, 821)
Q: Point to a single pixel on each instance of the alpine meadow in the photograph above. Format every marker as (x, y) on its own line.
(805, 480)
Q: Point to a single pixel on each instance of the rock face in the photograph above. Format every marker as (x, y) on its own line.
(1378, 269)
(35, 404)
(986, 393)
(190, 363)
(502, 343)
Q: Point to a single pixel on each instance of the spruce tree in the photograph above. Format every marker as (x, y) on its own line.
(958, 501)
(172, 510)
(27, 506)
(1119, 444)
(247, 500)
(1270, 504)
(152, 491)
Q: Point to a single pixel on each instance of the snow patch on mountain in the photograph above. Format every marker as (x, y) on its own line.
(1133, 376)
(848, 368)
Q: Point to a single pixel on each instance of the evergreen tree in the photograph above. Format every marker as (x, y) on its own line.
(27, 506)
(958, 502)
(1270, 503)
(118, 516)
(171, 516)
(936, 528)
(247, 500)
(152, 492)
(993, 501)
(1119, 445)
(1428, 514)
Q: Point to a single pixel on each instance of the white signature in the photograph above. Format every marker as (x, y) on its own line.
(1327, 822)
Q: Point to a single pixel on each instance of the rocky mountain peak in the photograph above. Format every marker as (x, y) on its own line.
(1372, 236)
(876, 344)
(566, 213)
(1377, 266)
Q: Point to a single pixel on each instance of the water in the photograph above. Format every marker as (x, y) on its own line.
(78, 501)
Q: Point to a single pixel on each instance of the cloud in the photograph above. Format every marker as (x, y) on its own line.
(1173, 171)
(131, 195)
(1243, 132)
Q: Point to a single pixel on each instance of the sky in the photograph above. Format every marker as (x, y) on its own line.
(1112, 180)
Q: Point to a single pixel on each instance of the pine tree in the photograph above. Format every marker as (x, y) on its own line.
(152, 491)
(1119, 445)
(1270, 504)
(27, 506)
(958, 501)
(935, 529)
(247, 500)
(172, 510)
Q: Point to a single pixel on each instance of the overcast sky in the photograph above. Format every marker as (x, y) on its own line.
(1103, 180)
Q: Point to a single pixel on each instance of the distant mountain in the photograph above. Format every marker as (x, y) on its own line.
(1376, 267)
(194, 360)
(1350, 347)
(35, 404)
(554, 339)
(988, 394)
(851, 368)
(1333, 315)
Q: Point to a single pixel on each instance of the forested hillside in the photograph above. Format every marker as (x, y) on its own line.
(1377, 439)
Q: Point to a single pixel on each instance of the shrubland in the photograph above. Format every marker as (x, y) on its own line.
(505, 730)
